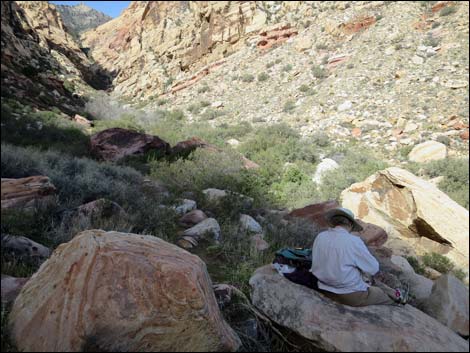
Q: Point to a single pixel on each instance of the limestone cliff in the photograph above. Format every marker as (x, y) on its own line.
(153, 42)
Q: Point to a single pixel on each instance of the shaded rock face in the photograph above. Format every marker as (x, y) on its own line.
(80, 18)
(448, 303)
(110, 291)
(339, 328)
(413, 212)
(372, 234)
(116, 143)
(11, 287)
(24, 248)
(25, 192)
(98, 209)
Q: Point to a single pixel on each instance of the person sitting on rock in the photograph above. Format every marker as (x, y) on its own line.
(339, 259)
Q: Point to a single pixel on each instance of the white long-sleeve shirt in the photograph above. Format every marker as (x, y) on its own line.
(338, 258)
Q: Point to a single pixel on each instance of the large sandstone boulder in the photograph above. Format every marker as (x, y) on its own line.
(448, 303)
(338, 328)
(413, 212)
(110, 291)
(116, 143)
(428, 151)
(25, 192)
(372, 234)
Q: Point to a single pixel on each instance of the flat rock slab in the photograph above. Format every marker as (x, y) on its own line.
(339, 328)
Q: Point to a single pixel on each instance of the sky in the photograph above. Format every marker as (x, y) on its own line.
(110, 8)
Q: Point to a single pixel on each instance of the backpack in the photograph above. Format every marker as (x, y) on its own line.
(301, 260)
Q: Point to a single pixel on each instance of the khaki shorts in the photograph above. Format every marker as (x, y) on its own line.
(373, 296)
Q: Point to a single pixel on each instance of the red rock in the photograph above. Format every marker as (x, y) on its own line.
(439, 6)
(116, 143)
(336, 60)
(371, 234)
(192, 218)
(358, 24)
(195, 78)
(316, 212)
(356, 132)
(464, 135)
(458, 125)
(24, 192)
(275, 35)
(397, 132)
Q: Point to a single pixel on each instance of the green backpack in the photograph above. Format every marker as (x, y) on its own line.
(295, 257)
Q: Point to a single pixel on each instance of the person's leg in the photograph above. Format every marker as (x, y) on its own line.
(373, 296)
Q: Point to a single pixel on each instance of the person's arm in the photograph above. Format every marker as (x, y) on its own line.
(364, 259)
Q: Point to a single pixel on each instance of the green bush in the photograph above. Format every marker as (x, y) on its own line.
(321, 46)
(211, 114)
(448, 11)
(247, 78)
(289, 106)
(263, 77)
(270, 64)
(456, 177)
(320, 139)
(203, 89)
(162, 101)
(43, 129)
(319, 72)
(354, 167)
(287, 68)
(417, 267)
(443, 265)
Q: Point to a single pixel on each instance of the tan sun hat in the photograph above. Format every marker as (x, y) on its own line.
(340, 211)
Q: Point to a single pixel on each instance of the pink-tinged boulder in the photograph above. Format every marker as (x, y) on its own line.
(25, 192)
(464, 135)
(11, 287)
(116, 143)
(184, 148)
(372, 234)
(192, 218)
(82, 120)
(120, 292)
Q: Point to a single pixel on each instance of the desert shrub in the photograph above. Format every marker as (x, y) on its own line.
(195, 108)
(320, 139)
(263, 77)
(456, 177)
(125, 121)
(444, 139)
(319, 72)
(417, 267)
(431, 41)
(211, 114)
(77, 180)
(321, 46)
(443, 265)
(448, 11)
(354, 167)
(203, 89)
(278, 61)
(309, 91)
(103, 107)
(175, 114)
(247, 78)
(438, 262)
(289, 106)
(204, 103)
(202, 169)
(287, 68)
(69, 86)
(43, 129)
(270, 64)
(161, 101)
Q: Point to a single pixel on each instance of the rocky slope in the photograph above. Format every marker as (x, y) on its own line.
(41, 62)
(80, 18)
